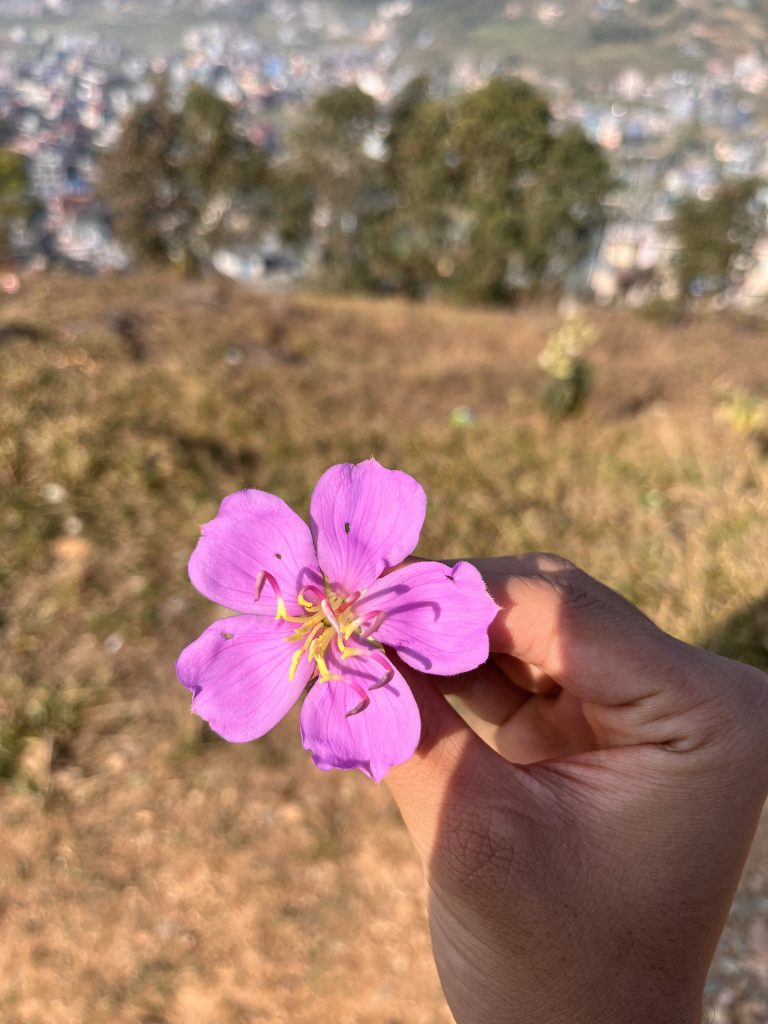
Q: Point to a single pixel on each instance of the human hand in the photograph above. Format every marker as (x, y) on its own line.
(585, 876)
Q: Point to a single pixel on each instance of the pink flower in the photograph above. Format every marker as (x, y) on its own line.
(317, 609)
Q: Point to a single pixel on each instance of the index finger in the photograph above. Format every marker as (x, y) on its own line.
(577, 631)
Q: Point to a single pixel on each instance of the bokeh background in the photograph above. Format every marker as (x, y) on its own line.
(242, 242)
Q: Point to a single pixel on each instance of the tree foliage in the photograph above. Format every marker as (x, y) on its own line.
(717, 238)
(532, 198)
(180, 179)
(480, 196)
(476, 195)
(339, 182)
(16, 201)
(517, 202)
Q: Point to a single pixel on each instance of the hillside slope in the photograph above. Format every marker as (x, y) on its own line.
(237, 883)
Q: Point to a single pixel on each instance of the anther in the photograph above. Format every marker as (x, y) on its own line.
(365, 700)
(375, 621)
(389, 672)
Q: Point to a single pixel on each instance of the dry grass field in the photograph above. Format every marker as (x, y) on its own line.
(151, 874)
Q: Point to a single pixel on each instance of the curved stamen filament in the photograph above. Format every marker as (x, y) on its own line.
(365, 700)
(307, 624)
(345, 605)
(310, 589)
(365, 624)
(348, 652)
(376, 619)
(330, 614)
(342, 633)
(282, 612)
(317, 650)
(388, 671)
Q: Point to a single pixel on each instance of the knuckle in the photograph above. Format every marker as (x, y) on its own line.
(727, 706)
(575, 590)
(581, 596)
(549, 563)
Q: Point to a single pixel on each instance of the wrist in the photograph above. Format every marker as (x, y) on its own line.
(629, 1008)
(564, 988)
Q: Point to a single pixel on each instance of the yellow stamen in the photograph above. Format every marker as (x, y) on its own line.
(294, 664)
(310, 639)
(351, 652)
(350, 628)
(307, 624)
(282, 613)
(341, 645)
(317, 650)
(332, 617)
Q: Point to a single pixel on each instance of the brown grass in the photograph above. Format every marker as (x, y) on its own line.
(151, 874)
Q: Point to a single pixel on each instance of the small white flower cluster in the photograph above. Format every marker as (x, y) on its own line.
(566, 347)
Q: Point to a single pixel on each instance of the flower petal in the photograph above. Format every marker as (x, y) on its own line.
(253, 532)
(384, 734)
(364, 519)
(435, 617)
(237, 671)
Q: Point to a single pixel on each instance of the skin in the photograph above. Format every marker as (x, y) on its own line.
(582, 871)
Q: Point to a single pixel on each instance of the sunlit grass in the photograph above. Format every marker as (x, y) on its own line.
(108, 466)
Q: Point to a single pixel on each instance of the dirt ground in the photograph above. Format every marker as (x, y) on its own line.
(150, 873)
(243, 887)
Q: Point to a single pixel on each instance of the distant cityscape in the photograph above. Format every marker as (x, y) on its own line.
(65, 89)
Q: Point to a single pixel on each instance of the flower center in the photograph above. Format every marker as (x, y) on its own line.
(328, 618)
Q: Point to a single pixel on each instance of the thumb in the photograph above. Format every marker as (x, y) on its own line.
(450, 756)
(637, 684)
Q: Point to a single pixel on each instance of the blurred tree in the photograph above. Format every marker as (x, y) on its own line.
(718, 237)
(407, 244)
(564, 208)
(293, 194)
(530, 199)
(336, 182)
(16, 201)
(477, 195)
(181, 181)
(141, 180)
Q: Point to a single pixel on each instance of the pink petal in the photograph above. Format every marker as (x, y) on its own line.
(384, 734)
(364, 519)
(435, 617)
(253, 532)
(237, 671)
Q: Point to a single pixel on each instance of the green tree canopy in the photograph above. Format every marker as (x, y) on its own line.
(480, 196)
(182, 180)
(717, 237)
(477, 195)
(16, 201)
(334, 181)
(407, 244)
(500, 199)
